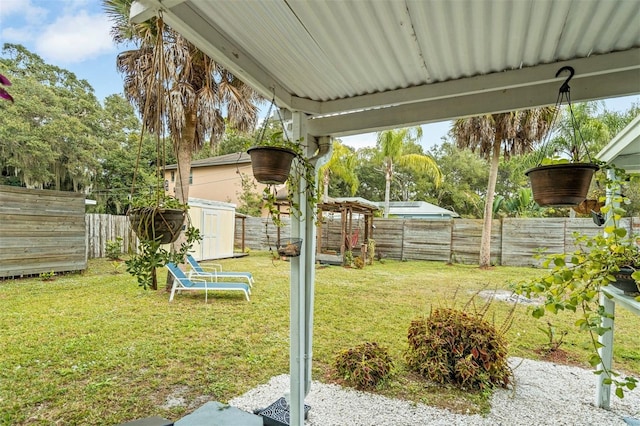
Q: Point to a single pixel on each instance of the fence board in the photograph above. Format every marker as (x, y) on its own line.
(389, 237)
(427, 240)
(466, 236)
(42, 231)
(527, 237)
(102, 228)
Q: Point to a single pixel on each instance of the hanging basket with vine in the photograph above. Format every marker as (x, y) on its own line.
(562, 182)
(156, 217)
(276, 160)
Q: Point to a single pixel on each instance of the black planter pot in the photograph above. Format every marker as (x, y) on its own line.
(271, 165)
(561, 185)
(150, 223)
(624, 281)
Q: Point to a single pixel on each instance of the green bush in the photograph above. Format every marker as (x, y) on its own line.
(364, 366)
(452, 346)
(113, 249)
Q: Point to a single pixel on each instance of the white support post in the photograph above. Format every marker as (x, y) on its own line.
(603, 391)
(299, 296)
(303, 276)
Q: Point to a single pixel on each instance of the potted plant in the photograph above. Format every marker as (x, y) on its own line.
(575, 280)
(560, 182)
(277, 160)
(563, 178)
(271, 159)
(157, 219)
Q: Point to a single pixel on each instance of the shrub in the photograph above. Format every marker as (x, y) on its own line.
(364, 366)
(348, 258)
(113, 248)
(358, 262)
(452, 346)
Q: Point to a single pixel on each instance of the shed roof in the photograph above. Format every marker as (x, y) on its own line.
(418, 208)
(221, 160)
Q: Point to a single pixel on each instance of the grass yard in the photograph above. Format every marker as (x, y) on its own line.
(94, 348)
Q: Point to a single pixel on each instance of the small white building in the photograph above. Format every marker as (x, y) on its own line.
(216, 222)
(418, 209)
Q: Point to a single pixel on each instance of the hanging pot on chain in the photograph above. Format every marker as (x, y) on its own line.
(157, 224)
(270, 164)
(561, 185)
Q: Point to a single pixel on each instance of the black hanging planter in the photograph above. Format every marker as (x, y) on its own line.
(271, 165)
(157, 224)
(561, 185)
(625, 282)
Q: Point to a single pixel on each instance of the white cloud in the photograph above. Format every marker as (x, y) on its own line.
(25, 11)
(18, 19)
(75, 38)
(17, 35)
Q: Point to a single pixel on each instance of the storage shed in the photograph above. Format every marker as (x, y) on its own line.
(216, 222)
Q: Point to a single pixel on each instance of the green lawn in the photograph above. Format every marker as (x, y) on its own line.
(94, 348)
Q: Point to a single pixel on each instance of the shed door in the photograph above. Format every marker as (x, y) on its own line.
(210, 234)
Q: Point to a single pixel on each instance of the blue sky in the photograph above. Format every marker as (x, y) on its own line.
(74, 35)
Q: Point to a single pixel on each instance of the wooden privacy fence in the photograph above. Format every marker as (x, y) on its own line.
(514, 241)
(101, 228)
(41, 231)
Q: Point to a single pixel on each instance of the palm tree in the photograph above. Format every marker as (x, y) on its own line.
(391, 144)
(177, 87)
(343, 165)
(510, 133)
(173, 83)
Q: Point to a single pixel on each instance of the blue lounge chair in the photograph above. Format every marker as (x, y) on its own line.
(182, 282)
(199, 271)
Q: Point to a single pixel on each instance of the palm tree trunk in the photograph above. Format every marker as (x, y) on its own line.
(325, 184)
(387, 188)
(184, 153)
(485, 244)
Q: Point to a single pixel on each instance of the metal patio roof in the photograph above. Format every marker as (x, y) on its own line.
(359, 66)
(356, 66)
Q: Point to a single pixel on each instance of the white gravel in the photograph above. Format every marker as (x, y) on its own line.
(544, 394)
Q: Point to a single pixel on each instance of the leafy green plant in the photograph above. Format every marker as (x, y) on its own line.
(348, 258)
(364, 366)
(113, 249)
(116, 267)
(575, 279)
(453, 346)
(301, 178)
(249, 198)
(151, 255)
(554, 339)
(300, 168)
(150, 209)
(47, 276)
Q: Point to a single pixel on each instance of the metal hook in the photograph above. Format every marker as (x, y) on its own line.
(565, 86)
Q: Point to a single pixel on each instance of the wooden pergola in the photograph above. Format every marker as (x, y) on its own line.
(346, 207)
